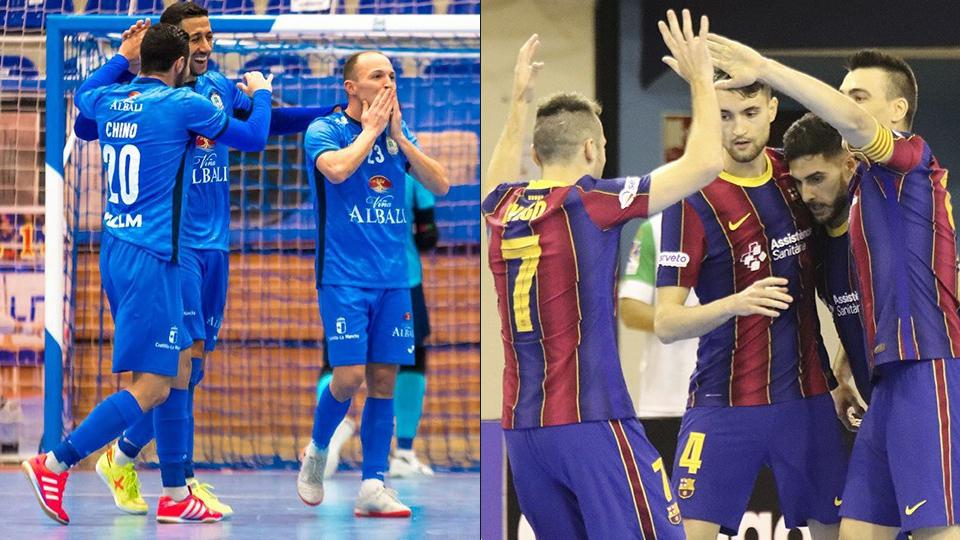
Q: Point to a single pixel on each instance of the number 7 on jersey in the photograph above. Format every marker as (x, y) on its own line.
(527, 249)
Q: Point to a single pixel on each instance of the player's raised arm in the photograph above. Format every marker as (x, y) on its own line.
(507, 154)
(249, 135)
(337, 165)
(745, 65)
(428, 171)
(702, 160)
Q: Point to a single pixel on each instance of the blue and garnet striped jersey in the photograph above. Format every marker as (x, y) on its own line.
(721, 240)
(903, 240)
(554, 250)
(839, 291)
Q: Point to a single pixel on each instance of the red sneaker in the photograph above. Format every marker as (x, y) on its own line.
(189, 510)
(48, 486)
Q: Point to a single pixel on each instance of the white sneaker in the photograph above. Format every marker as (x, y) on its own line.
(380, 502)
(405, 463)
(310, 479)
(340, 437)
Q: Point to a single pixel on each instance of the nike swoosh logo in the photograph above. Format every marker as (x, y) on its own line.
(734, 226)
(837, 501)
(911, 509)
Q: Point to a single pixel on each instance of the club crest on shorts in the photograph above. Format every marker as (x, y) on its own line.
(341, 325)
(392, 147)
(216, 100)
(686, 488)
(673, 514)
(407, 316)
(172, 338)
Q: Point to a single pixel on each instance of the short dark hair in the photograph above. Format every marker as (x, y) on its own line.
(811, 136)
(902, 83)
(176, 13)
(745, 91)
(162, 45)
(564, 121)
(350, 66)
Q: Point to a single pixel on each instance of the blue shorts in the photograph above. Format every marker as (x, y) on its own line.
(721, 449)
(905, 467)
(366, 325)
(593, 479)
(203, 277)
(144, 296)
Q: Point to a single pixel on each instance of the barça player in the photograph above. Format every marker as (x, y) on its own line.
(823, 169)
(760, 394)
(905, 465)
(357, 162)
(582, 465)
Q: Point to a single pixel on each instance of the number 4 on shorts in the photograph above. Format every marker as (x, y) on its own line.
(690, 458)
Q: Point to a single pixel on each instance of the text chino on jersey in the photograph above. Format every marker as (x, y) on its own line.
(721, 240)
(146, 129)
(362, 223)
(903, 238)
(553, 252)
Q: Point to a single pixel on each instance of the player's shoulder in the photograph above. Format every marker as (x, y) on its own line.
(614, 186)
(777, 161)
(497, 195)
(334, 122)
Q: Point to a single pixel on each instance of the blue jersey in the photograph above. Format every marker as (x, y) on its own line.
(838, 290)
(146, 130)
(208, 204)
(362, 224)
(418, 198)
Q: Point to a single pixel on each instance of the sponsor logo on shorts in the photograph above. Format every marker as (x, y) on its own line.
(341, 328)
(837, 501)
(407, 316)
(673, 514)
(676, 259)
(411, 348)
(909, 510)
(214, 323)
(171, 340)
(402, 332)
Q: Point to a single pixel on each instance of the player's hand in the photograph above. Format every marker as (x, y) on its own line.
(376, 115)
(688, 51)
(764, 297)
(743, 64)
(130, 45)
(396, 120)
(850, 409)
(253, 81)
(526, 70)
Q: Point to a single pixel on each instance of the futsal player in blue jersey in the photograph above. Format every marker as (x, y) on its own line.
(357, 162)
(145, 127)
(823, 169)
(205, 238)
(905, 464)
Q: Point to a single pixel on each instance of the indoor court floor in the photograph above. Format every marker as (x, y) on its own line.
(265, 507)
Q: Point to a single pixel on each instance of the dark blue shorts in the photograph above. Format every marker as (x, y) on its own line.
(144, 296)
(362, 326)
(721, 449)
(593, 479)
(204, 274)
(905, 468)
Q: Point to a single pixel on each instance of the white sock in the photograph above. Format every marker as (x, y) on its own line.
(119, 457)
(176, 493)
(370, 485)
(313, 450)
(55, 465)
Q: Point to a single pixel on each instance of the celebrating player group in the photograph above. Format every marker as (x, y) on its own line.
(854, 208)
(165, 123)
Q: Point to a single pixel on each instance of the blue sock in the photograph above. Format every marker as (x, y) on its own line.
(102, 425)
(137, 436)
(196, 375)
(327, 417)
(408, 397)
(170, 420)
(376, 430)
(323, 383)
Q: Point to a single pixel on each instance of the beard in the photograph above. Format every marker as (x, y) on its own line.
(827, 213)
(746, 155)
